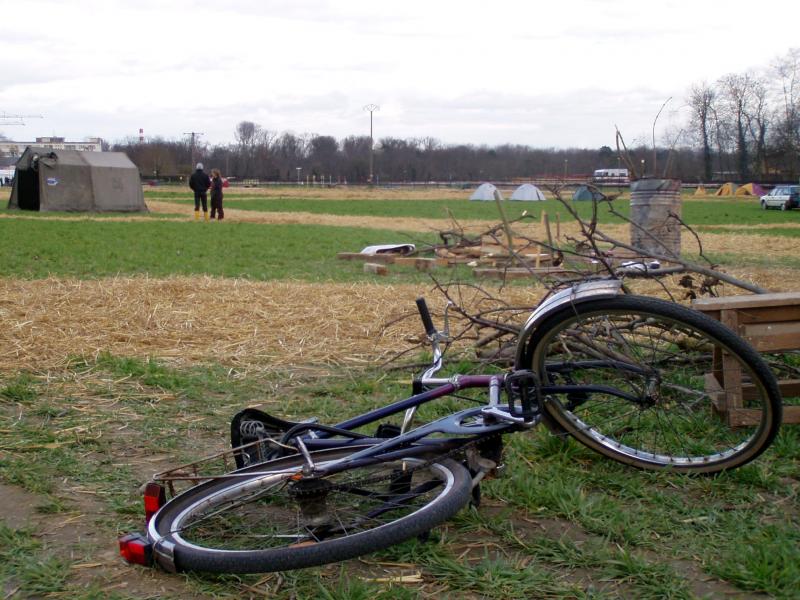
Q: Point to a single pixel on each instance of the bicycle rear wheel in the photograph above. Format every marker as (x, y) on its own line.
(650, 370)
(269, 518)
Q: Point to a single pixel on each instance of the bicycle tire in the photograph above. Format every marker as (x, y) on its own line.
(661, 354)
(204, 522)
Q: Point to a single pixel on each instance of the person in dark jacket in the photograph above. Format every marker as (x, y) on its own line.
(216, 195)
(200, 182)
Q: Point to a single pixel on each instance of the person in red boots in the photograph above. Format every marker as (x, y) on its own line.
(216, 194)
(200, 182)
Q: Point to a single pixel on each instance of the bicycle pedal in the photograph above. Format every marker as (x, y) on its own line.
(499, 414)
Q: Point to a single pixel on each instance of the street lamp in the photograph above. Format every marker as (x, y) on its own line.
(566, 162)
(643, 168)
(298, 174)
(371, 108)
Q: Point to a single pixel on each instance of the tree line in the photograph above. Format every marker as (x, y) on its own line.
(742, 127)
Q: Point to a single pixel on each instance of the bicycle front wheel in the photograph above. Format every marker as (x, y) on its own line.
(270, 518)
(649, 383)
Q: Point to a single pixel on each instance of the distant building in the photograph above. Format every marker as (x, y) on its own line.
(15, 149)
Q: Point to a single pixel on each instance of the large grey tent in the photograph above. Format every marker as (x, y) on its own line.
(485, 191)
(70, 180)
(527, 192)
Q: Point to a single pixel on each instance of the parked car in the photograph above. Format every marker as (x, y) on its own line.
(783, 197)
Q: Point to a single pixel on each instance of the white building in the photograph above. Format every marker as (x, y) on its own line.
(15, 149)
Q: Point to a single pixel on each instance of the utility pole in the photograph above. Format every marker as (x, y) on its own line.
(371, 108)
(194, 135)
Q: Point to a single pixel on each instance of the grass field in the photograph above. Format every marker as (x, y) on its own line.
(697, 211)
(120, 356)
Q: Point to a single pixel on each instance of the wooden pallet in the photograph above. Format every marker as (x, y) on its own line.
(771, 323)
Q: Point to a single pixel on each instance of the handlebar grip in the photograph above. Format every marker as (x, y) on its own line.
(422, 307)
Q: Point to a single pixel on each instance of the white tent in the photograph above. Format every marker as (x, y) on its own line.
(527, 192)
(485, 191)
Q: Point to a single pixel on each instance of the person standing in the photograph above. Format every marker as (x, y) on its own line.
(216, 195)
(200, 182)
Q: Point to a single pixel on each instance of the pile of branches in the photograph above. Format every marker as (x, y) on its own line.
(490, 325)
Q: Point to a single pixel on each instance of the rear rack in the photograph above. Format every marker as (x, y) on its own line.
(214, 466)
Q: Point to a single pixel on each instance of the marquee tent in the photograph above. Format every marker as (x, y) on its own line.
(70, 180)
(527, 192)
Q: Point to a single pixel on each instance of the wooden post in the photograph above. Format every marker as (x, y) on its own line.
(506, 226)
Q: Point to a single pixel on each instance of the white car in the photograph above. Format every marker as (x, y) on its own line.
(783, 197)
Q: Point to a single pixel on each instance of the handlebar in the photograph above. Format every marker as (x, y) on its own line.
(425, 315)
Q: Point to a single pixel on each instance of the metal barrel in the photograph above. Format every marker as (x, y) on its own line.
(654, 229)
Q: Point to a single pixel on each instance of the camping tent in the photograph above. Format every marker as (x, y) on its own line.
(750, 189)
(527, 192)
(485, 191)
(585, 193)
(700, 191)
(70, 180)
(727, 189)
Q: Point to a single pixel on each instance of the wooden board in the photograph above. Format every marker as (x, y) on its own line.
(745, 302)
(377, 269)
(373, 258)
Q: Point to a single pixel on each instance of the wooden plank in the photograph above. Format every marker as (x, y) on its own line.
(421, 264)
(746, 302)
(741, 417)
(716, 393)
(374, 258)
(459, 252)
(790, 388)
(746, 416)
(769, 314)
(772, 337)
(377, 269)
(731, 370)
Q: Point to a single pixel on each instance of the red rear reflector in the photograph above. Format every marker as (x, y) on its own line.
(135, 548)
(154, 498)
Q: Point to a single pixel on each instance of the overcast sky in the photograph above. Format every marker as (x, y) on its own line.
(558, 73)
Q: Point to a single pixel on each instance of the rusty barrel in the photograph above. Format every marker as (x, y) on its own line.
(653, 228)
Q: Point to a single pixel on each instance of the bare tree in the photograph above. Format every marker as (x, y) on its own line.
(787, 69)
(701, 101)
(736, 90)
(758, 121)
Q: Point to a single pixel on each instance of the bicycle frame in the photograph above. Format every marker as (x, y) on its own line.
(492, 418)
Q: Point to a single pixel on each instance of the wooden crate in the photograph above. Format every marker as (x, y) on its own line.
(771, 323)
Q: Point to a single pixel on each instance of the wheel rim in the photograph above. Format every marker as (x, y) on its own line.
(267, 513)
(673, 420)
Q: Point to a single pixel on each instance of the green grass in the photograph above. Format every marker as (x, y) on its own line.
(89, 249)
(625, 533)
(694, 212)
(37, 248)
(25, 567)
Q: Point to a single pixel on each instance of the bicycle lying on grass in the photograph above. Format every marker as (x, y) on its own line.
(634, 378)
